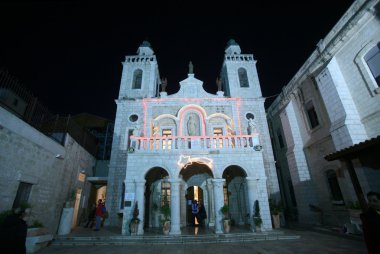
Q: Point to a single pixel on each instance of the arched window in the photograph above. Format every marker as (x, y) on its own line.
(243, 77)
(122, 196)
(372, 58)
(137, 79)
(311, 114)
(335, 191)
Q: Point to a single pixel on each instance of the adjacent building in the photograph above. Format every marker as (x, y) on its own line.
(325, 124)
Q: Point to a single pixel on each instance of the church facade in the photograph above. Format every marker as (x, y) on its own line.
(191, 145)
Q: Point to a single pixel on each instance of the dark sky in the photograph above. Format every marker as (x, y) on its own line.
(69, 53)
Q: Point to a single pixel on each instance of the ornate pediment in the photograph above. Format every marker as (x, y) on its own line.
(191, 88)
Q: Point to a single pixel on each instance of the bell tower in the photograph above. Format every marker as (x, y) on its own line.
(239, 73)
(140, 76)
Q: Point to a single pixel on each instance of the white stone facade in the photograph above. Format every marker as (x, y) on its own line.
(51, 170)
(332, 103)
(190, 138)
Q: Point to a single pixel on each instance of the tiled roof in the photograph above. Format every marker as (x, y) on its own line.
(354, 150)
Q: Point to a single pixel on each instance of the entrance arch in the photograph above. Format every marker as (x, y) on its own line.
(156, 187)
(236, 194)
(196, 187)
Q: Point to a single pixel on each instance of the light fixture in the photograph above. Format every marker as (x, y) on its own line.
(59, 156)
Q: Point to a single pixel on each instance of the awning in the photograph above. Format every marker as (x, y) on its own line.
(367, 151)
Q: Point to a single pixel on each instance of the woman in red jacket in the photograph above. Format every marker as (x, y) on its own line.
(100, 210)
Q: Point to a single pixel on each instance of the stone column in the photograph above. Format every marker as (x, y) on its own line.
(219, 202)
(140, 189)
(183, 209)
(211, 214)
(174, 207)
(252, 196)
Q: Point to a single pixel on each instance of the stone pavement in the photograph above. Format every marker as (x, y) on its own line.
(310, 240)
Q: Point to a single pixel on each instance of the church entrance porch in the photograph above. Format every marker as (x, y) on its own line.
(196, 183)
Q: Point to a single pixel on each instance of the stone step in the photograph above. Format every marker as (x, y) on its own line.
(178, 239)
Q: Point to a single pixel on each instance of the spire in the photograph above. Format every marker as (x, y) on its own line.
(191, 68)
(145, 49)
(232, 48)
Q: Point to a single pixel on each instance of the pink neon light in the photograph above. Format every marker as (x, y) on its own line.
(195, 137)
(238, 104)
(145, 110)
(191, 99)
(195, 109)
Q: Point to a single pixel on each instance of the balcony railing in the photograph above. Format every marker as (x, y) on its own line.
(154, 144)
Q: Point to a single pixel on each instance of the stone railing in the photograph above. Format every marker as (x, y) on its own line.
(170, 143)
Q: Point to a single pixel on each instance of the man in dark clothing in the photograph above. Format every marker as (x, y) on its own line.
(13, 232)
(371, 223)
(194, 212)
(202, 215)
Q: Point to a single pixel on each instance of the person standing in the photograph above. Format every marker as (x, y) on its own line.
(105, 214)
(194, 212)
(202, 215)
(13, 232)
(100, 210)
(371, 223)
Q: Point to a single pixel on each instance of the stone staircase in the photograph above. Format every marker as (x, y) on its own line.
(170, 239)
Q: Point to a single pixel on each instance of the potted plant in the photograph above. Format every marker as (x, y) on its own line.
(257, 217)
(225, 210)
(275, 213)
(134, 223)
(165, 211)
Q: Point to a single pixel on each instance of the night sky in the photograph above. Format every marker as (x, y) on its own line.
(69, 53)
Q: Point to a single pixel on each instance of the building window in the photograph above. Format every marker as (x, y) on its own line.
(335, 191)
(225, 194)
(137, 79)
(167, 141)
(312, 115)
(130, 133)
(372, 59)
(22, 195)
(122, 196)
(165, 193)
(280, 140)
(218, 141)
(133, 118)
(243, 77)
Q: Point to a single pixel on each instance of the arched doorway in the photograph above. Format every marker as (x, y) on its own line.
(156, 187)
(195, 176)
(236, 194)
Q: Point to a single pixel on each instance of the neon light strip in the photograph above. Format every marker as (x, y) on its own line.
(182, 118)
(195, 137)
(238, 104)
(145, 107)
(191, 99)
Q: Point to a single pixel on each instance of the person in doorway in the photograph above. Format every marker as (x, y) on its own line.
(371, 223)
(100, 210)
(105, 214)
(202, 215)
(194, 212)
(91, 217)
(13, 231)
